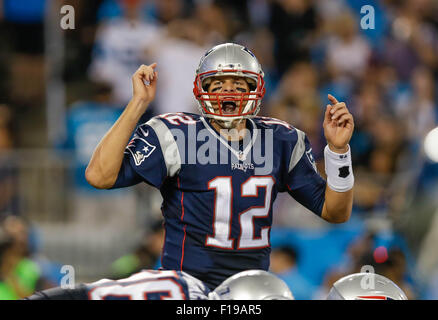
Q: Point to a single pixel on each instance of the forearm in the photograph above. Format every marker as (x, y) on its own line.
(338, 200)
(337, 206)
(105, 163)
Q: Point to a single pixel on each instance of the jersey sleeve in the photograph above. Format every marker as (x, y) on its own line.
(303, 181)
(143, 160)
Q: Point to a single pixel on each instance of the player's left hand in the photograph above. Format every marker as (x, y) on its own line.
(338, 125)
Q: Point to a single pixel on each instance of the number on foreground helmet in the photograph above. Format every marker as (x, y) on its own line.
(365, 286)
(252, 285)
(229, 59)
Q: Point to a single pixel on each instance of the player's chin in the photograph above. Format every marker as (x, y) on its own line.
(228, 124)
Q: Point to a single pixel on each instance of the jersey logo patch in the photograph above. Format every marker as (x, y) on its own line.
(140, 155)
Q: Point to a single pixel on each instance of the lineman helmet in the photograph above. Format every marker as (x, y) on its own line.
(252, 285)
(365, 286)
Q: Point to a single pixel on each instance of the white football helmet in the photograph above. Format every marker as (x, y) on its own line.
(252, 285)
(234, 60)
(365, 286)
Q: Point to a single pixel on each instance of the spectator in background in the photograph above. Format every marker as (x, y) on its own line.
(19, 275)
(284, 264)
(413, 40)
(293, 23)
(111, 9)
(120, 48)
(347, 51)
(217, 27)
(378, 142)
(176, 54)
(24, 40)
(86, 123)
(367, 105)
(79, 41)
(296, 101)
(418, 109)
(156, 11)
(145, 256)
(9, 198)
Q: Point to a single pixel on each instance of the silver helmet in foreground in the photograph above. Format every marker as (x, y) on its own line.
(365, 286)
(252, 285)
(229, 59)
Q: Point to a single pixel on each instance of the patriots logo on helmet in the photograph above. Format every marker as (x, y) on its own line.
(208, 52)
(247, 50)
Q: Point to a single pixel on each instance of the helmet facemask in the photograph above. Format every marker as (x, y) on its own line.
(212, 104)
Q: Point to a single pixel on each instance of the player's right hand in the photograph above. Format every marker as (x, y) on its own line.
(144, 83)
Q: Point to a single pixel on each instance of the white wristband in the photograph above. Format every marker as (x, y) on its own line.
(339, 170)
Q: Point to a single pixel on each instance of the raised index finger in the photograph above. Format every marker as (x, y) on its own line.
(332, 99)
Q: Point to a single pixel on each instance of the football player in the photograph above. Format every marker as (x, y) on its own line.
(365, 286)
(144, 285)
(220, 171)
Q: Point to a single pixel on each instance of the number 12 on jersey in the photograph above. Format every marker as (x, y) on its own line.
(222, 219)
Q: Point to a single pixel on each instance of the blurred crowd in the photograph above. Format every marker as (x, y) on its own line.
(387, 75)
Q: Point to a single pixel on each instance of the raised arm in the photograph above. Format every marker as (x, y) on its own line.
(338, 129)
(105, 163)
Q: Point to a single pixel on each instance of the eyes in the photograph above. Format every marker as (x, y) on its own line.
(240, 85)
(236, 82)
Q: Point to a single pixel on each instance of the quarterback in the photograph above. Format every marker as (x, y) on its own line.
(220, 171)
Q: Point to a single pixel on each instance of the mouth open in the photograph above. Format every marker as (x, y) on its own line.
(229, 107)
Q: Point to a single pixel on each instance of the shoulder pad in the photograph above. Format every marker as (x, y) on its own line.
(178, 119)
(282, 129)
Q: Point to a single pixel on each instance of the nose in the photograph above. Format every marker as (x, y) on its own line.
(228, 86)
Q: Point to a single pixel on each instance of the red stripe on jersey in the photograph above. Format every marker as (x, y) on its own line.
(184, 240)
(182, 218)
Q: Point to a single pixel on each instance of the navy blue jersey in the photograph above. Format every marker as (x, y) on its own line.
(218, 195)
